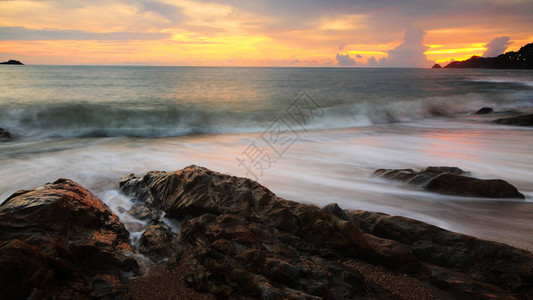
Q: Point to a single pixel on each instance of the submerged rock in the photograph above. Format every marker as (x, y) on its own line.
(60, 241)
(4, 134)
(484, 110)
(524, 120)
(452, 181)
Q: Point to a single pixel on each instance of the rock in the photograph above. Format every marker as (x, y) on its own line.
(143, 212)
(472, 187)
(452, 181)
(489, 266)
(4, 134)
(157, 242)
(484, 110)
(60, 241)
(237, 231)
(436, 66)
(524, 120)
(11, 62)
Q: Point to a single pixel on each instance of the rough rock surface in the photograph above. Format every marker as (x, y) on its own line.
(452, 181)
(462, 264)
(238, 240)
(524, 120)
(60, 241)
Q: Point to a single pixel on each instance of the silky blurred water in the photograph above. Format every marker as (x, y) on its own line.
(97, 124)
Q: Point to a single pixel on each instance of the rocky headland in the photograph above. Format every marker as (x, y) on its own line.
(521, 59)
(11, 62)
(238, 240)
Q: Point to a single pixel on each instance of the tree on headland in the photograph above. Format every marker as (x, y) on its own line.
(521, 59)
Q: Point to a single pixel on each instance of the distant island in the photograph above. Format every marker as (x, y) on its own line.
(11, 62)
(523, 59)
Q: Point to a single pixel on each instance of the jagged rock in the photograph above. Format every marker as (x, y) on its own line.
(60, 241)
(524, 120)
(239, 240)
(490, 267)
(157, 242)
(452, 181)
(4, 134)
(230, 221)
(143, 212)
(484, 110)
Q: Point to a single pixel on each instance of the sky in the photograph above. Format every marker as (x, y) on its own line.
(312, 33)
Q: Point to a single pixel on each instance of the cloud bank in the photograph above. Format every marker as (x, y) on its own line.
(409, 54)
(497, 46)
(344, 60)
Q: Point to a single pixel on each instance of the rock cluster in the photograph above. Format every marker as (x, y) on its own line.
(452, 181)
(238, 240)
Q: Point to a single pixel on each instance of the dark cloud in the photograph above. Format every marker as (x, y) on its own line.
(358, 55)
(25, 34)
(497, 46)
(344, 60)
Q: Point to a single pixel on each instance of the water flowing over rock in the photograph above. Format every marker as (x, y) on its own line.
(60, 241)
(452, 181)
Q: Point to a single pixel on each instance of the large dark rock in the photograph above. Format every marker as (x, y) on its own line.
(436, 66)
(4, 134)
(473, 267)
(238, 239)
(60, 241)
(472, 187)
(452, 181)
(524, 120)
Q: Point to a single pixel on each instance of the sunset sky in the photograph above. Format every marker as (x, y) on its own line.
(388, 33)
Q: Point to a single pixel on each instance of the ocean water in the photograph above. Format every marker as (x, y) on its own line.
(313, 135)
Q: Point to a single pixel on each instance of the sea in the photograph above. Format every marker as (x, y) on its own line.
(312, 135)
